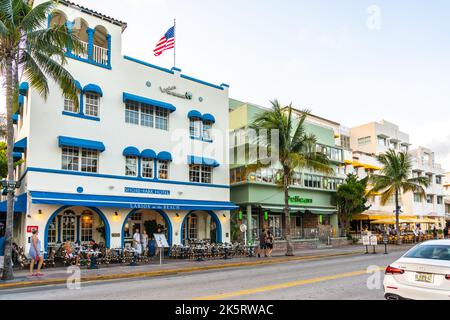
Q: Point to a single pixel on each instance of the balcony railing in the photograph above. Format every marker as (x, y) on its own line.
(100, 55)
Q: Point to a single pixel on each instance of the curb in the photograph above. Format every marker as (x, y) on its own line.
(150, 274)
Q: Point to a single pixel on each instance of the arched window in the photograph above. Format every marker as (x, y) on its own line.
(51, 234)
(87, 223)
(131, 166)
(80, 30)
(193, 226)
(92, 104)
(58, 18)
(68, 226)
(100, 48)
(147, 168)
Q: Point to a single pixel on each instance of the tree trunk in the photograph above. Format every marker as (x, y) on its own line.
(287, 217)
(7, 268)
(397, 219)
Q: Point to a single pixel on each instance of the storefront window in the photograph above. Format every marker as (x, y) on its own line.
(68, 226)
(86, 226)
(51, 235)
(275, 226)
(193, 227)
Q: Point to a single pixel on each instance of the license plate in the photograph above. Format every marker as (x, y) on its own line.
(424, 277)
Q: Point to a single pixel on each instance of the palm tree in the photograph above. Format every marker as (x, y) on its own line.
(29, 49)
(394, 179)
(297, 150)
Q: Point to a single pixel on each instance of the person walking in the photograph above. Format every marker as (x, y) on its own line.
(2, 246)
(269, 243)
(35, 254)
(435, 233)
(262, 243)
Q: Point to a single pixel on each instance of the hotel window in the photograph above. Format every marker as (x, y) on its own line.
(92, 104)
(297, 179)
(393, 145)
(207, 128)
(70, 158)
(86, 226)
(89, 161)
(147, 168)
(404, 148)
(131, 166)
(68, 226)
(382, 141)
(438, 180)
(440, 200)
(417, 198)
(51, 238)
(70, 106)
(364, 141)
(195, 127)
(429, 199)
(146, 115)
(345, 142)
(163, 170)
(201, 174)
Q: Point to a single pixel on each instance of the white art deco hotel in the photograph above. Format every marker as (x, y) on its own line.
(143, 148)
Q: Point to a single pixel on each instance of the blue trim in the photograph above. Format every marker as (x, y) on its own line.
(148, 154)
(20, 204)
(80, 189)
(17, 156)
(139, 167)
(148, 101)
(80, 116)
(225, 85)
(201, 82)
(23, 88)
(55, 214)
(21, 101)
(108, 176)
(74, 57)
(148, 64)
(165, 156)
(213, 216)
(21, 145)
(49, 20)
(15, 118)
(90, 33)
(208, 118)
(81, 103)
(194, 114)
(176, 69)
(108, 39)
(78, 85)
(203, 161)
(78, 230)
(131, 151)
(89, 200)
(93, 88)
(166, 220)
(80, 143)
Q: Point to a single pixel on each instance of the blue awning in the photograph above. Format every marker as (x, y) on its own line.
(202, 161)
(93, 88)
(23, 88)
(15, 118)
(17, 156)
(165, 156)
(20, 204)
(66, 199)
(78, 85)
(209, 117)
(134, 98)
(21, 100)
(131, 151)
(148, 154)
(194, 114)
(81, 143)
(20, 146)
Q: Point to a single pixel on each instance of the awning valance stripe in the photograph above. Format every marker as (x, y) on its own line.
(93, 88)
(194, 114)
(164, 156)
(148, 154)
(131, 152)
(203, 161)
(134, 98)
(208, 118)
(127, 202)
(21, 145)
(81, 143)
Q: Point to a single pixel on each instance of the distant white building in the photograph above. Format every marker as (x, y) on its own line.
(133, 154)
(447, 196)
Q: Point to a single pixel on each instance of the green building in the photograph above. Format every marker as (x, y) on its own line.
(313, 215)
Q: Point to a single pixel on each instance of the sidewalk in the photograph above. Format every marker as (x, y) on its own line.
(171, 266)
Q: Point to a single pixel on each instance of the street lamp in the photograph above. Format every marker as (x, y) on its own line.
(11, 185)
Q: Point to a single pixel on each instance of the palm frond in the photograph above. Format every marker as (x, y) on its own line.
(36, 18)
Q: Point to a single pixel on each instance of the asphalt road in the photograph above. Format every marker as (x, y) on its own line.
(335, 279)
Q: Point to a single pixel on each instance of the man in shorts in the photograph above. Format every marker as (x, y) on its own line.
(262, 243)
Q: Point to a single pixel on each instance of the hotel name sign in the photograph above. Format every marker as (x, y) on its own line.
(171, 91)
(297, 199)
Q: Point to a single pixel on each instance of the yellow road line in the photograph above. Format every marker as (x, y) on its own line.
(283, 285)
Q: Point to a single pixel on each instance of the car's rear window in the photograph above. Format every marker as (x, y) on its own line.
(432, 252)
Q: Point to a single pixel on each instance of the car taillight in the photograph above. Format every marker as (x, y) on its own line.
(447, 277)
(392, 270)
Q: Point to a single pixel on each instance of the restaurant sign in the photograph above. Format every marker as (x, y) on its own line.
(170, 91)
(300, 200)
(154, 206)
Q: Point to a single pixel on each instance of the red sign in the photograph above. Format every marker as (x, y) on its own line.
(30, 229)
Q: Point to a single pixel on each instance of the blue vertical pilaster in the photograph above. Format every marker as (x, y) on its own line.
(108, 38)
(69, 26)
(59, 228)
(90, 33)
(81, 103)
(78, 230)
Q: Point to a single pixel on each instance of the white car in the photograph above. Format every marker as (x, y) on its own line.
(423, 273)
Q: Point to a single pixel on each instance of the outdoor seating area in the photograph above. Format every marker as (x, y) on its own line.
(205, 250)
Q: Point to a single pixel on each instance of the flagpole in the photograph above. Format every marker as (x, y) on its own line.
(175, 42)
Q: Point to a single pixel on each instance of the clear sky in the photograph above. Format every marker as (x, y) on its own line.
(321, 55)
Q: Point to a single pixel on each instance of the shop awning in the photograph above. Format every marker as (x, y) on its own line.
(21, 100)
(15, 118)
(17, 156)
(66, 199)
(194, 114)
(20, 204)
(131, 152)
(93, 88)
(131, 97)
(318, 211)
(203, 161)
(209, 118)
(164, 156)
(81, 143)
(148, 154)
(23, 88)
(20, 146)
(78, 85)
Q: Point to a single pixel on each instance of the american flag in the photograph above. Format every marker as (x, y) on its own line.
(167, 42)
